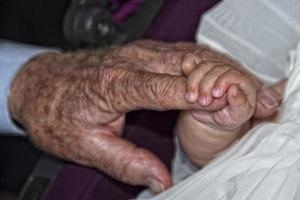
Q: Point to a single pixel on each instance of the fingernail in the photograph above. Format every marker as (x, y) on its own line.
(216, 92)
(190, 96)
(155, 185)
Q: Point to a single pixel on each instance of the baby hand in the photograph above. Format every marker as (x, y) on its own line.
(268, 97)
(212, 80)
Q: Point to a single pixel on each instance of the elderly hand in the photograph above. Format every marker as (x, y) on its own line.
(182, 57)
(73, 105)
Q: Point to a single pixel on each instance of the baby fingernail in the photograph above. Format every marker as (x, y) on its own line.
(155, 185)
(216, 92)
(191, 96)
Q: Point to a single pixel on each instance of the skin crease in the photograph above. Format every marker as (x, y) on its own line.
(73, 105)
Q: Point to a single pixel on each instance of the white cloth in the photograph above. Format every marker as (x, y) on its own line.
(259, 33)
(12, 57)
(265, 164)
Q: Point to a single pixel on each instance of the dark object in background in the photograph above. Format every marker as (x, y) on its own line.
(71, 24)
(41, 178)
(33, 21)
(17, 159)
(103, 23)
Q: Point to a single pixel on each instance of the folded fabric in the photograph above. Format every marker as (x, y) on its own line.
(259, 33)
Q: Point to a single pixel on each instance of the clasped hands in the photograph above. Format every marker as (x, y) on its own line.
(73, 105)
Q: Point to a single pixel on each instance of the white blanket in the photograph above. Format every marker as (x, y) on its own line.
(259, 33)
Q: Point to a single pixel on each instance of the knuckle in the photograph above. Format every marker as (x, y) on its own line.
(188, 61)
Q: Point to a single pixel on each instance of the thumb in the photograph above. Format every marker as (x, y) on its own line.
(127, 162)
(239, 107)
(268, 102)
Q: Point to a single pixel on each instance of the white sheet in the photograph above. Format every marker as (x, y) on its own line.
(259, 33)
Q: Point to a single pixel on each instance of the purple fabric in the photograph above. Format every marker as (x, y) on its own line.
(177, 21)
(125, 10)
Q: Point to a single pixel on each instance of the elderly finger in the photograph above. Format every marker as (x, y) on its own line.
(126, 90)
(127, 162)
(268, 102)
(269, 99)
(262, 111)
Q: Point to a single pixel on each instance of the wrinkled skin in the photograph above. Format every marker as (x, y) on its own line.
(181, 58)
(73, 105)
